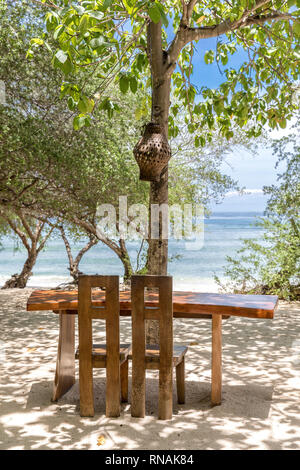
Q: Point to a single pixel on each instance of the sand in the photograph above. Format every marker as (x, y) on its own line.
(261, 385)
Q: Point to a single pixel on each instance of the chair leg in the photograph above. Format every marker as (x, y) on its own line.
(138, 390)
(165, 394)
(180, 382)
(124, 381)
(86, 390)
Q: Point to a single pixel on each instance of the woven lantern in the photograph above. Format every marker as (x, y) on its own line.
(152, 152)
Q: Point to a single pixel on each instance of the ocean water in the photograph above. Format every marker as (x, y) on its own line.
(194, 270)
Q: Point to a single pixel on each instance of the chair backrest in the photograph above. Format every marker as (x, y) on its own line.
(111, 313)
(164, 314)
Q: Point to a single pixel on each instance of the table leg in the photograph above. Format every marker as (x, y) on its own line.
(65, 363)
(216, 367)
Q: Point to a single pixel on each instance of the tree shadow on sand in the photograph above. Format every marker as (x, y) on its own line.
(260, 407)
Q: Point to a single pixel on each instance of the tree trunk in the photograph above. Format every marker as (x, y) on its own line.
(124, 257)
(32, 241)
(157, 258)
(20, 280)
(157, 261)
(74, 271)
(74, 263)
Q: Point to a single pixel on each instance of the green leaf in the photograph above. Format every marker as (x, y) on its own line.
(154, 13)
(133, 84)
(296, 28)
(224, 58)
(127, 4)
(80, 121)
(140, 61)
(29, 54)
(97, 42)
(52, 20)
(124, 83)
(84, 23)
(209, 57)
(71, 104)
(80, 10)
(199, 141)
(163, 15)
(86, 105)
(107, 4)
(229, 135)
(58, 31)
(98, 15)
(218, 105)
(37, 41)
(62, 61)
(282, 123)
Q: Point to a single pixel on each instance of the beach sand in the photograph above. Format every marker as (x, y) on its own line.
(261, 388)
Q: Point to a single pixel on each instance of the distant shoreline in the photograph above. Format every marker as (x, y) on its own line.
(192, 270)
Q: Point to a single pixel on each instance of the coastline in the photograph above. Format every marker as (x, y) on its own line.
(191, 269)
(184, 284)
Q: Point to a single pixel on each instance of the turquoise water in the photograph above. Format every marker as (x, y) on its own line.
(223, 234)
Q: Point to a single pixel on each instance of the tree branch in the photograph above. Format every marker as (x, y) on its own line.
(185, 34)
(17, 231)
(190, 8)
(26, 225)
(47, 5)
(44, 240)
(67, 244)
(93, 241)
(92, 230)
(184, 18)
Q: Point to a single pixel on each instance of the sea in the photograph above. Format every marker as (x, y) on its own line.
(193, 265)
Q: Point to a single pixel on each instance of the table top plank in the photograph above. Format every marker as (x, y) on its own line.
(185, 304)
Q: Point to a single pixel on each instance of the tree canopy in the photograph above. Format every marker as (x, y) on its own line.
(153, 45)
(108, 39)
(55, 173)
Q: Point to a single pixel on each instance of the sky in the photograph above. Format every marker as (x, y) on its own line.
(252, 171)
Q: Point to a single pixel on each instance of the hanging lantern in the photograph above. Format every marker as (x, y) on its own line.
(152, 152)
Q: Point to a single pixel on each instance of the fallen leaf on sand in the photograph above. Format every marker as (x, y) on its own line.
(100, 440)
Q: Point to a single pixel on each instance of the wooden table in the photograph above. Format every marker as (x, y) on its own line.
(185, 305)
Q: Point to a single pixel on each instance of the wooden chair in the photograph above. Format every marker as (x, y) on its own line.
(112, 355)
(162, 357)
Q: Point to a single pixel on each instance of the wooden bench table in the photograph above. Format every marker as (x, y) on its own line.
(185, 305)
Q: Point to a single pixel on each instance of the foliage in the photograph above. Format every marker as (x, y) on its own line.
(42, 157)
(107, 39)
(51, 170)
(272, 265)
(48, 167)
